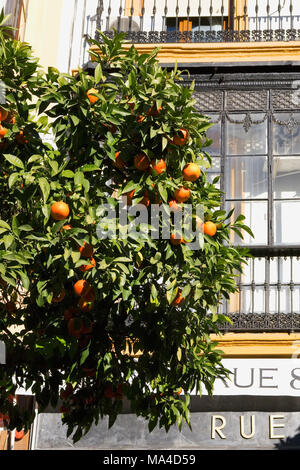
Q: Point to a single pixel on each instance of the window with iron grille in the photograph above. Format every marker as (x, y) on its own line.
(256, 150)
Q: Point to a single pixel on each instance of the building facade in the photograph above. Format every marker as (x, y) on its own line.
(244, 56)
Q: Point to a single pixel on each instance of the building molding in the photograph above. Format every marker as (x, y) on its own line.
(251, 345)
(218, 52)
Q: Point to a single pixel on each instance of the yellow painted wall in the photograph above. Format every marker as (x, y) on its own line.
(43, 29)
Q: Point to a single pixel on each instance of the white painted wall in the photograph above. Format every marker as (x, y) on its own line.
(75, 23)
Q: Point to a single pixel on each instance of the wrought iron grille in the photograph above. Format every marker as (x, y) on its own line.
(151, 21)
(256, 150)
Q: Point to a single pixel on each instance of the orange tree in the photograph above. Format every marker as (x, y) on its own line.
(90, 321)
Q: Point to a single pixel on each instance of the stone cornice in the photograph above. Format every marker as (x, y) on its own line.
(216, 53)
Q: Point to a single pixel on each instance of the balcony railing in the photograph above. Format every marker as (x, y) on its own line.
(174, 21)
(268, 296)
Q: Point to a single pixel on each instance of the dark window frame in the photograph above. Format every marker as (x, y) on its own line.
(266, 86)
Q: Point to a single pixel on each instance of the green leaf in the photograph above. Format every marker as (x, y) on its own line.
(13, 178)
(4, 224)
(154, 292)
(8, 241)
(98, 73)
(75, 120)
(78, 178)
(25, 228)
(15, 226)
(179, 354)
(15, 161)
(67, 174)
(45, 187)
(90, 167)
(25, 280)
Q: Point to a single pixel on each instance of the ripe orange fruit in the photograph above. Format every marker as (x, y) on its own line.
(119, 392)
(111, 127)
(174, 206)
(181, 137)
(65, 393)
(154, 111)
(21, 138)
(10, 307)
(210, 228)
(89, 295)
(86, 267)
(67, 227)
(85, 305)
(81, 287)
(3, 131)
(199, 222)
(141, 162)
(11, 118)
(146, 199)
(19, 435)
(70, 312)
(109, 393)
(64, 409)
(178, 299)
(87, 250)
(59, 210)
(159, 166)
(3, 114)
(89, 371)
(140, 118)
(60, 297)
(75, 326)
(174, 240)
(130, 103)
(129, 197)
(91, 95)
(3, 283)
(87, 327)
(182, 194)
(119, 163)
(191, 172)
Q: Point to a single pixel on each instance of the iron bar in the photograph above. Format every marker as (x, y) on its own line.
(225, 21)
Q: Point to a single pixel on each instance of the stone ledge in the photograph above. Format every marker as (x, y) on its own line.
(214, 53)
(283, 345)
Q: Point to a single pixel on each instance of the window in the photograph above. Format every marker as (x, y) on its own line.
(256, 150)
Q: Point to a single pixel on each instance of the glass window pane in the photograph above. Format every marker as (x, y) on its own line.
(273, 300)
(246, 177)
(259, 300)
(287, 222)
(296, 299)
(280, 299)
(256, 218)
(285, 300)
(286, 138)
(259, 271)
(274, 270)
(215, 170)
(214, 133)
(285, 270)
(246, 138)
(296, 269)
(286, 173)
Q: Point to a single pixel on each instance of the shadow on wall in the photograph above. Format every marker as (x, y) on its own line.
(289, 443)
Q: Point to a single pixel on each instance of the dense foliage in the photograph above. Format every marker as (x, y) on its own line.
(139, 328)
